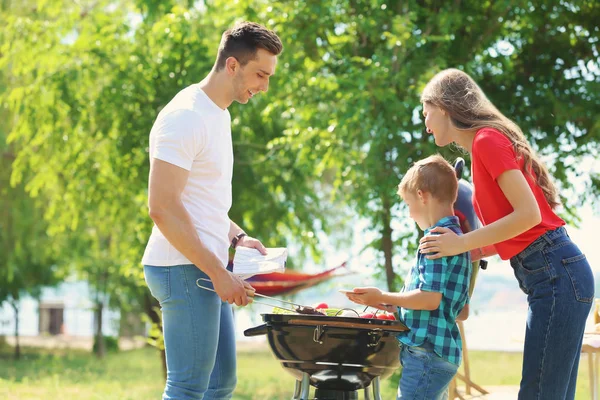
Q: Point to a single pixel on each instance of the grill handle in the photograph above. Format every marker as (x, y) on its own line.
(256, 331)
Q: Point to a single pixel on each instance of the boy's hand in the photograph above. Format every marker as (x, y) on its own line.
(368, 296)
(464, 313)
(386, 307)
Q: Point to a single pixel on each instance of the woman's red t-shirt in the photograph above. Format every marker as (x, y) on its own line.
(492, 154)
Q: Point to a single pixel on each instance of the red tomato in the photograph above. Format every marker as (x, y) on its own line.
(386, 316)
(367, 315)
(321, 306)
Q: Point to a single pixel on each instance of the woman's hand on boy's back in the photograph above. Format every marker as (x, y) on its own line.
(441, 242)
(367, 296)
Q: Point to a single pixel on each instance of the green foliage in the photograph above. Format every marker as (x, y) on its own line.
(356, 70)
(26, 262)
(332, 138)
(111, 344)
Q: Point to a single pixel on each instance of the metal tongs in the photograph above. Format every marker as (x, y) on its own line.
(298, 306)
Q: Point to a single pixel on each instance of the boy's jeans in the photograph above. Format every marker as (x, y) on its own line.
(559, 283)
(199, 334)
(425, 375)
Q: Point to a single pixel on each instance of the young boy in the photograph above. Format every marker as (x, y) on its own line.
(435, 292)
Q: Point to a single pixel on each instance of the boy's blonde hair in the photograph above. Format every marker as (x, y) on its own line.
(433, 175)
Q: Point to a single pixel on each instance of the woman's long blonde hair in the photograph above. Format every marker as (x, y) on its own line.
(457, 93)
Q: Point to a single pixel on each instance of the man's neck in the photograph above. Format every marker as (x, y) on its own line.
(438, 211)
(218, 88)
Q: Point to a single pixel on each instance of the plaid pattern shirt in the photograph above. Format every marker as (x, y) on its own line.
(449, 276)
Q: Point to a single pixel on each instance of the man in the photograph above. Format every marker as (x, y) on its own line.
(191, 164)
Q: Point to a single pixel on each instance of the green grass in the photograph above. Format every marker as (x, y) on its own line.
(136, 374)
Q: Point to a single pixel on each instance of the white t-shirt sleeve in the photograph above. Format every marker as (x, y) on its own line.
(179, 138)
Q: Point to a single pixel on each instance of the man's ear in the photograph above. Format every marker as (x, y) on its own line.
(231, 65)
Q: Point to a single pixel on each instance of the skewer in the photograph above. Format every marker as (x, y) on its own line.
(252, 296)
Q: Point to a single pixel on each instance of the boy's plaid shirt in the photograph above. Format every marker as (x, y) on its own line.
(449, 276)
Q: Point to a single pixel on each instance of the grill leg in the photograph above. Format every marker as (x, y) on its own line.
(376, 391)
(368, 390)
(297, 390)
(305, 387)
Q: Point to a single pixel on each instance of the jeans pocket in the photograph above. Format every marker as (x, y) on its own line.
(531, 271)
(158, 280)
(534, 263)
(416, 353)
(581, 276)
(444, 373)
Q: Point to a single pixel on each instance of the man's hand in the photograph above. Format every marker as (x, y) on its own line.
(248, 241)
(231, 288)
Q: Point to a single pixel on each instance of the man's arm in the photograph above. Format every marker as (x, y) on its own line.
(245, 241)
(234, 229)
(166, 184)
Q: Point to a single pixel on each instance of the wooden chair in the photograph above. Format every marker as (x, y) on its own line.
(465, 377)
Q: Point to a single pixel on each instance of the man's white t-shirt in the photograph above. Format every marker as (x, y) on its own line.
(193, 133)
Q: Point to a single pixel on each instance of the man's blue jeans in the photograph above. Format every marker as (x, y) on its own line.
(199, 334)
(425, 375)
(559, 284)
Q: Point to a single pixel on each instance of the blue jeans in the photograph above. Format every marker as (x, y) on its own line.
(559, 284)
(199, 334)
(425, 375)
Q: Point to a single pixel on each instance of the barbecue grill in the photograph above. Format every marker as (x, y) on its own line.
(338, 356)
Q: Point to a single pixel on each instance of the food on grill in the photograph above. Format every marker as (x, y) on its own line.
(386, 315)
(348, 313)
(335, 312)
(301, 310)
(330, 312)
(308, 311)
(379, 315)
(321, 306)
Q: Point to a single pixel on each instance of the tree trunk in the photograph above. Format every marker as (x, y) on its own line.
(150, 307)
(15, 307)
(387, 244)
(100, 345)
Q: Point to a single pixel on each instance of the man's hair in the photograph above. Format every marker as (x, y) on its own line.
(433, 175)
(243, 41)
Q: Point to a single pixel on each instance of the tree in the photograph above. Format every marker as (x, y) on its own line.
(86, 82)
(26, 265)
(355, 71)
(340, 125)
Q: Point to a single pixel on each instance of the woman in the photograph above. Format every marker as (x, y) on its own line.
(515, 199)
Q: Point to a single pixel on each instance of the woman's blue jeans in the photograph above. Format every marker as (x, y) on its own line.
(559, 284)
(199, 334)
